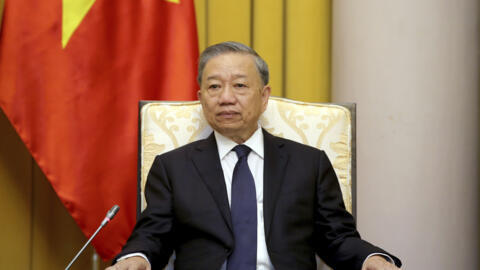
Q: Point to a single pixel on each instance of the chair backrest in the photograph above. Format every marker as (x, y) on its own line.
(166, 125)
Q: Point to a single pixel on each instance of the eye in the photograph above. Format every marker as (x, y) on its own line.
(214, 86)
(240, 85)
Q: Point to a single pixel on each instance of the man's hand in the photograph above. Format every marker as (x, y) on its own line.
(132, 263)
(377, 262)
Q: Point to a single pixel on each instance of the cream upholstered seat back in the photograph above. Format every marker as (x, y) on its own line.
(167, 125)
(331, 127)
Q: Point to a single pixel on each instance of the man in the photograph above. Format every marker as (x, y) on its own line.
(243, 199)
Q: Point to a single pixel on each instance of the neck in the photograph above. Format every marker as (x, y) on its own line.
(240, 138)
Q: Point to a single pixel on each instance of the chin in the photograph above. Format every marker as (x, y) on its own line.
(227, 130)
(228, 125)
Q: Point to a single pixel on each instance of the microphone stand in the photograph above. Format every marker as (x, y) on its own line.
(111, 213)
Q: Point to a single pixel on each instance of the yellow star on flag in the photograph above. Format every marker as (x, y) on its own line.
(73, 12)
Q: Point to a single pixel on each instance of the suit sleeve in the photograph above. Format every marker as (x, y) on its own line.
(153, 232)
(337, 240)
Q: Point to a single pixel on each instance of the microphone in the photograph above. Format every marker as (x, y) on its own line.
(110, 215)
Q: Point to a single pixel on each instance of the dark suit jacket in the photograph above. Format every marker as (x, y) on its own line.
(304, 213)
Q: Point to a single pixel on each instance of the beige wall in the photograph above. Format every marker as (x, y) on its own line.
(412, 67)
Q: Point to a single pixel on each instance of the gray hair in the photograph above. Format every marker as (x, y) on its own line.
(231, 47)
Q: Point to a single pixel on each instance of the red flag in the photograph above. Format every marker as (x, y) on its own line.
(75, 107)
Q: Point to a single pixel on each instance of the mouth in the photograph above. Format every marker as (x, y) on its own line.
(227, 114)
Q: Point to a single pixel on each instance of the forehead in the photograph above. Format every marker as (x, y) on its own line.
(231, 64)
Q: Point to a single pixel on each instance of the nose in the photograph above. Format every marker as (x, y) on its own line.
(227, 96)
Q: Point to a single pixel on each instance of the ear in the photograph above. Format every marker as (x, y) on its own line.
(199, 94)
(265, 96)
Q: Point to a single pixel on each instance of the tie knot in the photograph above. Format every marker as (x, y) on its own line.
(242, 150)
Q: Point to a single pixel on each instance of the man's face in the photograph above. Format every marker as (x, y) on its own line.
(232, 95)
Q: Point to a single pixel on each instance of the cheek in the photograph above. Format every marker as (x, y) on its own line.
(209, 106)
(249, 115)
(208, 111)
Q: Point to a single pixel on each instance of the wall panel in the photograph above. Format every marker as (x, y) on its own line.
(229, 20)
(307, 63)
(36, 229)
(15, 199)
(56, 237)
(2, 4)
(292, 36)
(268, 39)
(201, 18)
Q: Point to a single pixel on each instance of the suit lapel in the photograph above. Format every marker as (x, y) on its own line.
(273, 175)
(207, 162)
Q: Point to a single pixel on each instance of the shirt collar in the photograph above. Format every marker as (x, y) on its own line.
(225, 145)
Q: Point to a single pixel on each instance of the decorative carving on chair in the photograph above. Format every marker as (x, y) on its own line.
(291, 117)
(341, 164)
(150, 150)
(332, 122)
(160, 117)
(200, 121)
(166, 128)
(266, 125)
(331, 119)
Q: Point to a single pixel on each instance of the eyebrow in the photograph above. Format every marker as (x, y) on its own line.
(235, 76)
